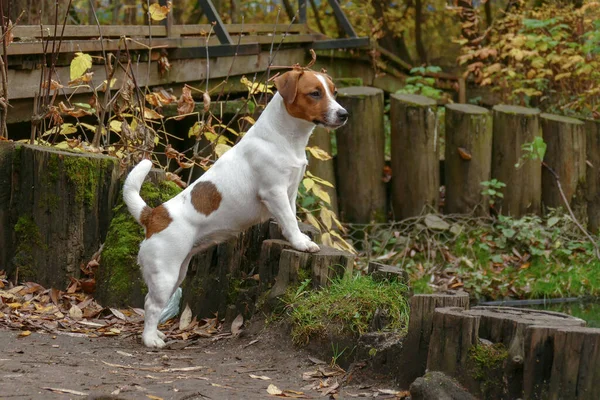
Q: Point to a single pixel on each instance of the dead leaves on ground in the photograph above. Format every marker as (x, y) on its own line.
(32, 308)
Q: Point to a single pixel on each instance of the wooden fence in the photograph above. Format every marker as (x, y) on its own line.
(480, 145)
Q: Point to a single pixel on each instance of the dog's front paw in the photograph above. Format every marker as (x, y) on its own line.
(305, 244)
(153, 341)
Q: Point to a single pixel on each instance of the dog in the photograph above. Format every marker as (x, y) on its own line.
(255, 180)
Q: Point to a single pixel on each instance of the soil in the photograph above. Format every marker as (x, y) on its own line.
(120, 367)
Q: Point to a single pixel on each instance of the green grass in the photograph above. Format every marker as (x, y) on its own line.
(346, 307)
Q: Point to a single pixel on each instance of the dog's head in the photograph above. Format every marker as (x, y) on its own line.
(310, 96)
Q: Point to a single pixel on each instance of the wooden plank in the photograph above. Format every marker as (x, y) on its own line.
(71, 46)
(82, 31)
(26, 82)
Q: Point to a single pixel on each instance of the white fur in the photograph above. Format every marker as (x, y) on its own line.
(257, 179)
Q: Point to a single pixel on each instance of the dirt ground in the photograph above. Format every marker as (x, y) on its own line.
(48, 366)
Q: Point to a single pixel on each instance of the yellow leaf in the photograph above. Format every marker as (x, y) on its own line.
(325, 215)
(115, 125)
(153, 397)
(25, 333)
(320, 193)
(562, 76)
(151, 114)
(319, 153)
(158, 12)
(221, 149)
(308, 183)
(313, 221)
(326, 239)
(273, 390)
(81, 63)
(318, 180)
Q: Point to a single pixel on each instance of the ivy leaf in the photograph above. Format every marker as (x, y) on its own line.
(81, 63)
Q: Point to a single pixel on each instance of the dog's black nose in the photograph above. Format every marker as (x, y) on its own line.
(342, 115)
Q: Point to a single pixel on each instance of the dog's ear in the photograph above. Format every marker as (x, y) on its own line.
(287, 85)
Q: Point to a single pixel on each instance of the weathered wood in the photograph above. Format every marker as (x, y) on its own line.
(576, 364)
(268, 267)
(420, 325)
(453, 334)
(539, 355)
(329, 264)
(415, 161)
(7, 154)
(323, 169)
(437, 386)
(309, 230)
(566, 155)
(360, 157)
(468, 158)
(592, 128)
(514, 126)
(381, 272)
(59, 212)
(291, 265)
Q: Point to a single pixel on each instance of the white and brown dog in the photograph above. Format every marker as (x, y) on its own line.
(255, 180)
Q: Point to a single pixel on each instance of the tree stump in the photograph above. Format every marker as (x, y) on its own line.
(381, 272)
(360, 156)
(592, 128)
(59, 211)
(420, 325)
(329, 264)
(566, 155)
(292, 266)
(270, 255)
(7, 150)
(415, 161)
(468, 158)
(514, 126)
(324, 169)
(309, 230)
(453, 334)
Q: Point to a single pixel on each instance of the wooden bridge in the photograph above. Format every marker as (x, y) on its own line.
(233, 50)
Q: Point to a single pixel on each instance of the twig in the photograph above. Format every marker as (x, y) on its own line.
(566, 203)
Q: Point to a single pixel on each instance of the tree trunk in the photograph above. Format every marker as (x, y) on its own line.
(360, 158)
(514, 126)
(566, 155)
(389, 41)
(420, 325)
(415, 161)
(592, 128)
(468, 159)
(329, 264)
(419, 32)
(324, 169)
(268, 267)
(292, 265)
(59, 211)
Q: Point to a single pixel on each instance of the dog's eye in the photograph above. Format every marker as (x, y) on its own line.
(316, 94)
(335, 93)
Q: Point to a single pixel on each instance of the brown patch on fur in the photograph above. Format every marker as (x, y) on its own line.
(296, 87)
(155, 219)
(205, 197)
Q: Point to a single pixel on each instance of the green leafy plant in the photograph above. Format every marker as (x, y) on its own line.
(420, 83)
(492, 189)
(535, 150)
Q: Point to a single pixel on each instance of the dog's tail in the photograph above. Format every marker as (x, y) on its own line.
(132, 187)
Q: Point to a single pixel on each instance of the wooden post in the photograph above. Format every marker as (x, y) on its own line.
(514, 126)
(452, 336)
(415, 161)
(360, 158)
(576, 364)
(321, 138)
(468, 158)
(566, 155)
(592, 129)
(420, 325)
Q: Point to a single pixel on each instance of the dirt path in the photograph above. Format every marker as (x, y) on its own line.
(121, 368)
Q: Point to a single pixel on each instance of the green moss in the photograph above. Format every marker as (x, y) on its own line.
(487, 366)
(84, 175)
(156, 194)
(235, 284)
(28, 237)
(346, 82)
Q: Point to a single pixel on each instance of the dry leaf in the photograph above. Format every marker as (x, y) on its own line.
(236, 325)
(154, 397)
(24, 333)
(118, 314)
(65, 391)
(261, 377)
(206, 101)
(186, 318)
(75, 313)
(185, 105)
(273, 390)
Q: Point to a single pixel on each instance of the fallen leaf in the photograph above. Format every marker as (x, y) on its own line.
(118, 314)
(261, 377)
(273, 390)
(24, 333)
(75, 313)
(186, 318)
(236, 325)
(154, 397)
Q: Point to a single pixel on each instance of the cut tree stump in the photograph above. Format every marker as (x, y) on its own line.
(420, 325)
(415, 160)
(59, 211)
(592, 129)
(268, 266)
(381, 272)
(468, 158)
(514, 126)
(292, 265)
(566, 155)
(360, 156)
(309, 230)
(454, 333)
(329, 264)
(323, 169)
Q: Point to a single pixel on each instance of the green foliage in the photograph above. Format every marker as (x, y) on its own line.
(492, 189)
(347, 306)
(420, 83)
(535, 150)
(548, 57)
(487, 366)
